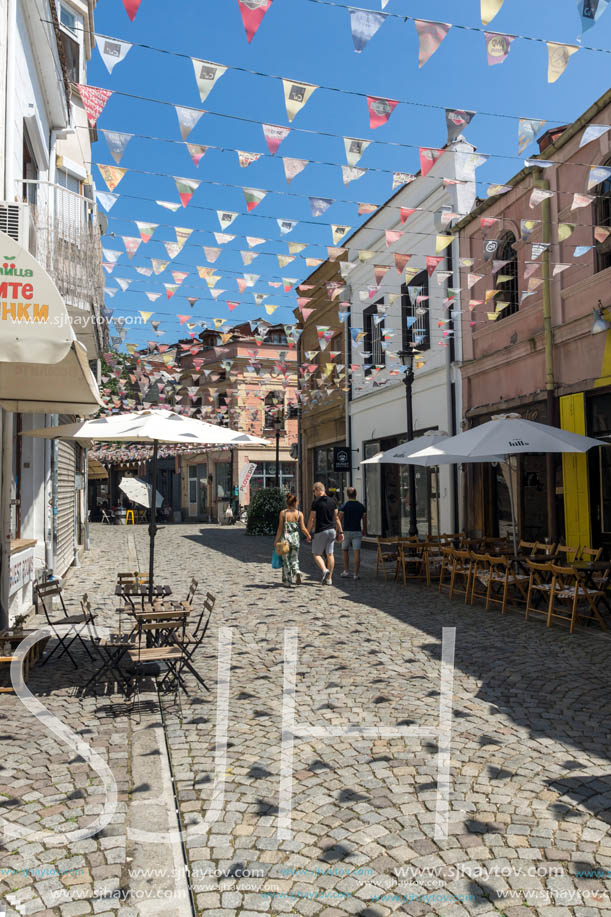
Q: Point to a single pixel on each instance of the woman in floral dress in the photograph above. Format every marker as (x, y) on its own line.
(290, 523)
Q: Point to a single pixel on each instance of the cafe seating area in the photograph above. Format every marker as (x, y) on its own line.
(563, 584)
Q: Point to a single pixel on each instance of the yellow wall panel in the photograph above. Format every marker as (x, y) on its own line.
(578, 528)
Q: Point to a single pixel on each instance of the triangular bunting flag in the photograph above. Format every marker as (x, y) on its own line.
(159, 266)
(169, 205)
(145, 316)
(364, 24)
(456, 120)
(196, 152)
(117, 143)
(245, 159)
(186, 188)
(253, 12)
(131, 8)
(432, 261)
(253, 197)
(489, 9)
(430, 36)
(428, 158)
(225, 218)
(497, 47)
(274, 135)
(187, 119)
(380, 110)
(528, 128)
(558, 57)
(593, 132)
(211, 253)
(112, 50)
(132, 244)
(296, 95)
(146, 230)
(94, 101)
(206, 75)
(597, 175)
(320, 205)
(293, 167)
(253, 240)
(106, 199)
(286, 226)
(350, 173)
(354, 149)
(112, 175)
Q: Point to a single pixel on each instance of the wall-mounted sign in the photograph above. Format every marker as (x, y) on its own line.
(21, 570)
(341, 458)
(246, 474)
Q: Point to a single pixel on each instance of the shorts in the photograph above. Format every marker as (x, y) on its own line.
(354, 539)
(323, 542)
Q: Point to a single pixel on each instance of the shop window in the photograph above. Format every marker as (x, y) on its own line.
(412, 306)
(193, 484)
(509, 294)
(373, 325)
(334, 481)
(602, 217)
(265, 476)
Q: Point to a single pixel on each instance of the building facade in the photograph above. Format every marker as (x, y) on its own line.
(244, 378)
(528, 338)
(47, 208)
(404, 307)
(322, 384)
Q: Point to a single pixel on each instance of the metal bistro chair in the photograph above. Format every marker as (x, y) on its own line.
(190, 641)
(186, 603)
(45, 593)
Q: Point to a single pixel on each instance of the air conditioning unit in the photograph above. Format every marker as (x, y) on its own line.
(15, 222)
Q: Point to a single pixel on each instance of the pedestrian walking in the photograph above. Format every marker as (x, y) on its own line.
(290, 523)
(353, 517)
(324, 523)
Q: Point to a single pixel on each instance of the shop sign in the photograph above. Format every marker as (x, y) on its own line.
(341, 458)
(21, 570)
(246, 474)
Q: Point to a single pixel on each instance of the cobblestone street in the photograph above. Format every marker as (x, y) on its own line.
(530, 781)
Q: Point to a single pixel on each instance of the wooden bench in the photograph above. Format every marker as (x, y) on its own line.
(15, 637)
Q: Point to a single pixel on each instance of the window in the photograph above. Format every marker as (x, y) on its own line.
(374, 332)
(71, 209)
(602, 217)
(413, 306)
(193, 484)
(265, 476)
(276, 337)
(30, 169)
(509, 294)
(224, 480)
(67, 18)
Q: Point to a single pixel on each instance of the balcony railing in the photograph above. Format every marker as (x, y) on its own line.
(65, 239)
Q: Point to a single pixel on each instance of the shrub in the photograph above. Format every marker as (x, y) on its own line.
(263, 512)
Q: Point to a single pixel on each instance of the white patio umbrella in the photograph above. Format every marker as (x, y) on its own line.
(138, 491)
(151, 426)
(507, 436)
(412, 453)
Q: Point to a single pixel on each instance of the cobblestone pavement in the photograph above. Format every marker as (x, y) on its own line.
(530, 788)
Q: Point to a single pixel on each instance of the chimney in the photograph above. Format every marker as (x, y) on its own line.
(550, 137)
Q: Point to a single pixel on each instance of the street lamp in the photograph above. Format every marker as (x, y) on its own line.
(407, 359)
(278, 425)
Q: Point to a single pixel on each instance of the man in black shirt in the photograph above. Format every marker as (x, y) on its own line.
(324, 523)
(352, 514)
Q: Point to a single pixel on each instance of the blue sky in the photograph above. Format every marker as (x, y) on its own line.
(312, 42)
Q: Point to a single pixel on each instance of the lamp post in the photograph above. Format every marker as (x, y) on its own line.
(407, 359)
(278, 424)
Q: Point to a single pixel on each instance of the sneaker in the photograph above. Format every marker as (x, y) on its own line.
(325, 578)
(345, 574)
(355, 576)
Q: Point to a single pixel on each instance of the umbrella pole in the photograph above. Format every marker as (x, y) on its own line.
(153, 514)
(513, 514)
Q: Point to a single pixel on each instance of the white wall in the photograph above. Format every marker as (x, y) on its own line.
(378, 406)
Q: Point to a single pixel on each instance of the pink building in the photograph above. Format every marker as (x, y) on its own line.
(541, 266)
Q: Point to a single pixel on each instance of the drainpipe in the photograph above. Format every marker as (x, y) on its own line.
(548, 337)
(5, 513)
(348, 378)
